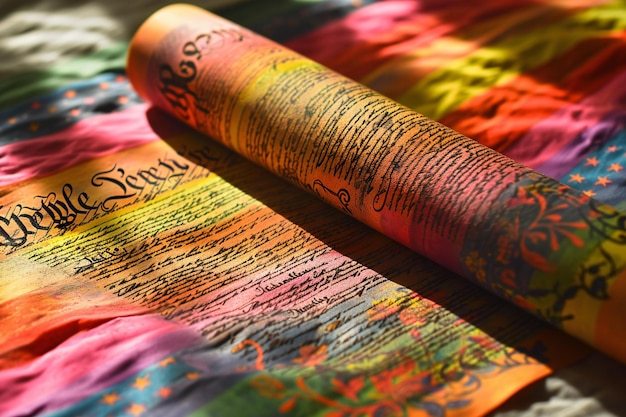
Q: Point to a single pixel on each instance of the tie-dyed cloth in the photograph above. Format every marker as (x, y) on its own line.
(540, 81)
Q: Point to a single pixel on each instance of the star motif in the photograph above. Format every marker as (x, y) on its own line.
(611, 149)
(576, 178)
(167, 361)
(136, 409)
(12, 120)
(193, 375)
(592, 161)
(165, 392)
(603, 181)
(70, 94)
(142, 382)
(616, 167)
(589, 193)
(111, 398)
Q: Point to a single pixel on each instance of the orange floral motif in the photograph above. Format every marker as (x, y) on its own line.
(508, 277)
(402, 382)
(522, 302)
(350, 389)
(476, 264)
(287, 405)
(311, 355)
(399, 390)
(269, 387)
(406, 387)
(386, 393)
(547, 226)
(258, 364)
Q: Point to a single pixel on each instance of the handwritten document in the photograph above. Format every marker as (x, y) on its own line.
(418, 182)
(211, 241)
(315, 234)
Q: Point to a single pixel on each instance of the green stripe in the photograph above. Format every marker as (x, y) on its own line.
(444, 90)
(30, 84)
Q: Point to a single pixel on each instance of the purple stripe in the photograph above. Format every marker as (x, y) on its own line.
(89, 363)
(552, 141)
(586, 142)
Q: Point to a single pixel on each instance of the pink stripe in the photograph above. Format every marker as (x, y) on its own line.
(90, 362)
(373, 35)
(554, 133)
(359, 26)
(87, 139)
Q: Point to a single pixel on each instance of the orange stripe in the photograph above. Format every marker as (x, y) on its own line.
(505, 113)
(408, 65)
(444, 90)
(37, 322)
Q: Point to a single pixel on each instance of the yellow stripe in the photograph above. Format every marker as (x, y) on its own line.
(444, 90)
(268, 65)
(587, 310)
(440, 52)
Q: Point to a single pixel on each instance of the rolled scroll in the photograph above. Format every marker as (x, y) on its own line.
(540, 244)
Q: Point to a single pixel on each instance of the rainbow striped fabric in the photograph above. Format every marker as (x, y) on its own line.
(538, 80)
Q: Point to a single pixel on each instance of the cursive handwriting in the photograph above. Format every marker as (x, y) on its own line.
(59, 211)
(175, 82)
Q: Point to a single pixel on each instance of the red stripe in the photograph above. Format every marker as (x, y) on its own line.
(501, 116)
(51, 321)
(373, 35)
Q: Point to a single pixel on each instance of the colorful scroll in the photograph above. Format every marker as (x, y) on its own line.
(538, 243)
(153, 271)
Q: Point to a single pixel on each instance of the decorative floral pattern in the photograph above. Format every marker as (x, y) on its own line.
(404, 384)
(543, 227)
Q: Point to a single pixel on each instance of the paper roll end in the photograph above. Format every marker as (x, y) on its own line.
(146, 40)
